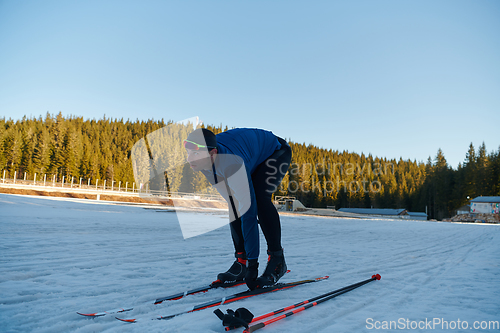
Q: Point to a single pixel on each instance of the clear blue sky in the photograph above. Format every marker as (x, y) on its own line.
(390, 78)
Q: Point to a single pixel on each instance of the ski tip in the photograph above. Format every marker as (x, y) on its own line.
(323, 278)
(376, 276)
(127, 320)
(88, 314)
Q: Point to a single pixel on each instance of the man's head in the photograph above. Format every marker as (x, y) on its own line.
(201, 147)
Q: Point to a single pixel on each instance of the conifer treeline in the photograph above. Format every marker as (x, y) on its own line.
(101, 149)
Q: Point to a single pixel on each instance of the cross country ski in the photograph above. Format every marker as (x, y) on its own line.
(176, 296)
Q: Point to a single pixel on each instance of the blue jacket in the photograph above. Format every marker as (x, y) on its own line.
(250, 147)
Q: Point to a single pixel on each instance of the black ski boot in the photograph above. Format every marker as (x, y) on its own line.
(236, 272)
(275, 269)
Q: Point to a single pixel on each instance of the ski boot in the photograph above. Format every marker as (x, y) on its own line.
(275, 269)
(236, 272)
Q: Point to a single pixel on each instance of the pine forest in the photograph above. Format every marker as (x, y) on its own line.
(101, 149)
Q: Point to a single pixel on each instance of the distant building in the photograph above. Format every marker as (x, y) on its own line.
(463, 210)
(375, 211)
(288, 204)
(387, 212)
(485, 205)
(417, 216)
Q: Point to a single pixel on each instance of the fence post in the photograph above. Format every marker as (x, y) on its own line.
(112, 183)
(104, 187)
(119, 186)
(126, 186)
(44, 178)
(34, 179)
(80, 182)
(97, 181)
(4, 176)
(133, 188)
(54, 181)
(15, 172)
(25, 175)
(62, 182)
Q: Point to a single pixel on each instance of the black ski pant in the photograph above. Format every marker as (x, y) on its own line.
(266, 180)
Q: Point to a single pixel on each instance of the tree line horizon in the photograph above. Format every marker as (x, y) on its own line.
(101, 149)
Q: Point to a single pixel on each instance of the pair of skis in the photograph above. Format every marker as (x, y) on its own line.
(261, 322)
(233, 298)
(213, 285)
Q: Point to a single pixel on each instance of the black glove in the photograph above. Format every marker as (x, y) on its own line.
(235, 319)
(252, 274)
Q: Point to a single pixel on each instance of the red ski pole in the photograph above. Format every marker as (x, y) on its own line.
(307, 304)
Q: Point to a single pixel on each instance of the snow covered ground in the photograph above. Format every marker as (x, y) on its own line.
(58, 257)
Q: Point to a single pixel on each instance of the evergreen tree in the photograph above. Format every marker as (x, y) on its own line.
(28, 139)
(493, 172)
(469, 171)
(57, 149)
(41, 153)
(70, 154)
(481, 178)
(3, 154)
(13, 150)
(443, 184)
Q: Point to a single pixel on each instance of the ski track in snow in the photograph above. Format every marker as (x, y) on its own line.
(58, 257)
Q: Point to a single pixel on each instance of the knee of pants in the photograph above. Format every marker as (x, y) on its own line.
(263, 195)
(264, 205)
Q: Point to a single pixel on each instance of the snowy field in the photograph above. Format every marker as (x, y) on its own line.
(58, 257)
